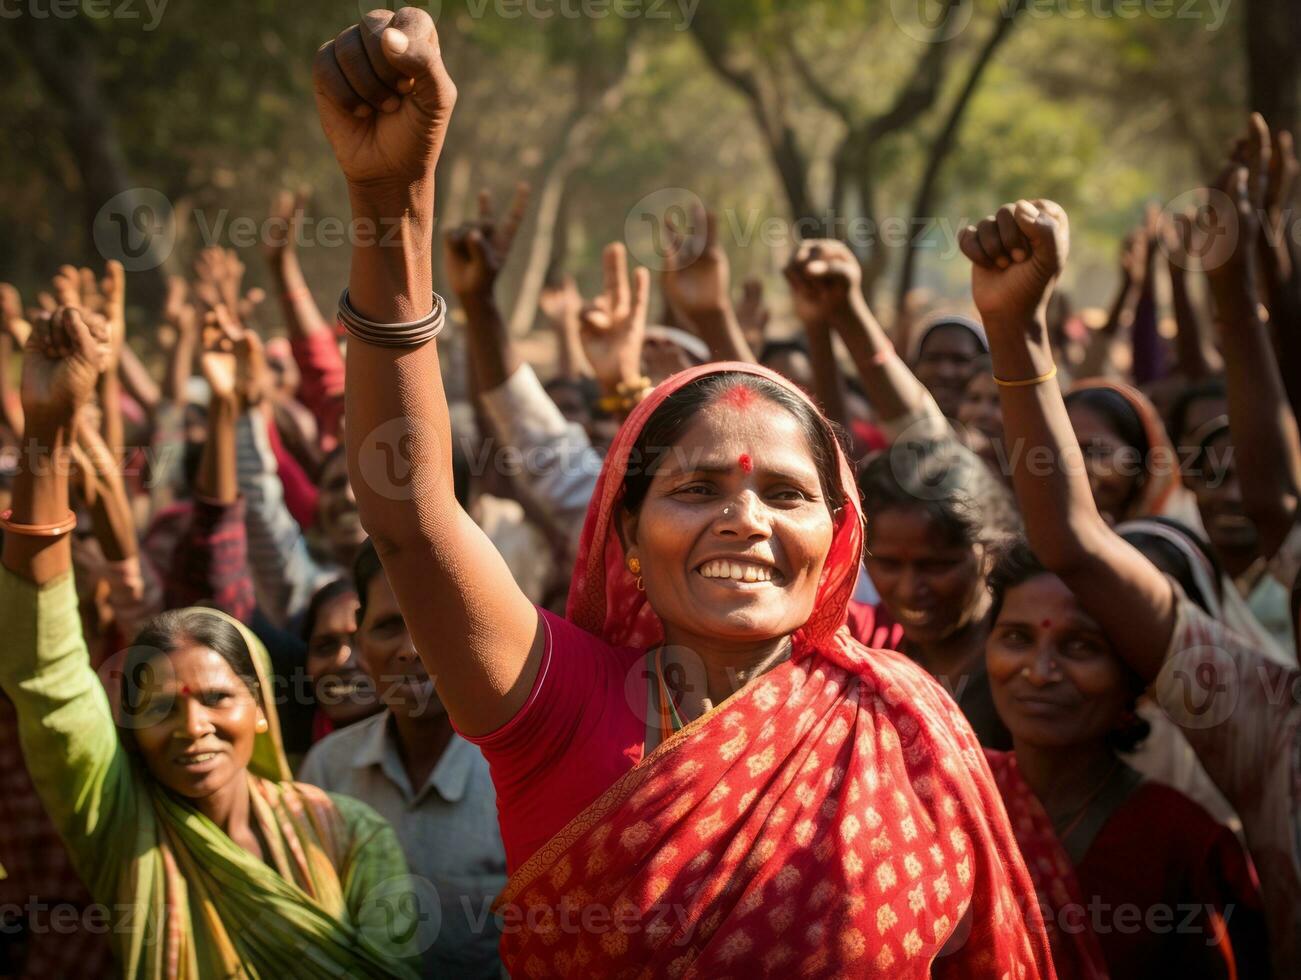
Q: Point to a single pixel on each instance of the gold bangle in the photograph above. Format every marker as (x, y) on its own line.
(1028, 382)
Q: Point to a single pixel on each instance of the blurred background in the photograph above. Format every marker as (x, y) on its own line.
(889, 122)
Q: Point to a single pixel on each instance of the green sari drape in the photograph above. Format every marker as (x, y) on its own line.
(183, 900)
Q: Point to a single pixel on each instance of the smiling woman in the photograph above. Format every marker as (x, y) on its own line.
(698, 739)
(185, 824)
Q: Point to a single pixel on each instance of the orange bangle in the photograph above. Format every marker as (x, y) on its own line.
(39, 530)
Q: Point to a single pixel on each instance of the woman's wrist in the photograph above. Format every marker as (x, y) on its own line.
(392, 232)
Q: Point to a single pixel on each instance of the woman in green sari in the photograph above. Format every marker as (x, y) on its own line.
(184, 825)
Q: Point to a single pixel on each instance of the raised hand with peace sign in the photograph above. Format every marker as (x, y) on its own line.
(613, 327)
(476, 252)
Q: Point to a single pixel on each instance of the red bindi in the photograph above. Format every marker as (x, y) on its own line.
(745, 462)
(1047, 624)
(185, 689)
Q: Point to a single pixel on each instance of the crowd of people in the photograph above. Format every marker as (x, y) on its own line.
(967, 649)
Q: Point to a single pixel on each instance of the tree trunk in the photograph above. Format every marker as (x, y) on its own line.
(64, 59)
(943, 145)
(1273, 35)
(581, 131)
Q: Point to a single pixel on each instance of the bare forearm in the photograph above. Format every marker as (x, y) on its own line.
(40, 496)
(492, 355)
(826, 373)
(11, 411)
(110, 403)
(1051, 484)
(1263, 428)
(111, 517)
(573, 362)
(137, 381)
(296, 302)
(891, 387)
(218, 478)
(1191, 348)
(719, 329)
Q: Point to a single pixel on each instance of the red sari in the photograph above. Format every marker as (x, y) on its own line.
(836, 817)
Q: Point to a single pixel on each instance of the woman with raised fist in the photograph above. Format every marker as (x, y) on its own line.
(181, 817)
(698, 771)
(1082, 622)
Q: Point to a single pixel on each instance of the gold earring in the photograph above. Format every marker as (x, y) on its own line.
(261, 726)
(634, 565)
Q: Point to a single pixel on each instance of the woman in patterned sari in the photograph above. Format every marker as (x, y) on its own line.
(698, 772)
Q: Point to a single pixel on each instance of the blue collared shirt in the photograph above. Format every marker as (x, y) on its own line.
(448, 830)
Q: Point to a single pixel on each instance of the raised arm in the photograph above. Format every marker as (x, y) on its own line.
(311, 337)
(70, 744)
(474, 255)
(385, 99)
(1098, 359)
(1263, 428)
(561, 305)
(14, 331)
(697, 283)
(613, 330)
(826, 284)
(1195, 357)
(1017, 256)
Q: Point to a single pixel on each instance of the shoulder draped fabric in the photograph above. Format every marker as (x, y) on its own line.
(272, 920)
(1076, 953)
(185, 900)
(835, 817)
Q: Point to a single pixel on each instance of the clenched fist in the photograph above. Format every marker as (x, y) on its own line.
(1017, 255)
(385, 98)
(66, 352)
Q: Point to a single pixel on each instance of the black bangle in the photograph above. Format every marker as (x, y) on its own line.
(411, 334)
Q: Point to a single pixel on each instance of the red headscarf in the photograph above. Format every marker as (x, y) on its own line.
(835, 817)
(603, 594)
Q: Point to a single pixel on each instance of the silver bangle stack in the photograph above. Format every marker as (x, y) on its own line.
(411, 334)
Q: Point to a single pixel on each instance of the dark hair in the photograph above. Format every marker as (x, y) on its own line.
(1177, 422)
(1117, 412)
(1174, 560)
(949, 483)
(364, 568)
(327, 593)
(170, 631)
(773, 348)
(1017, 565)
(950, 321)
(666, 424)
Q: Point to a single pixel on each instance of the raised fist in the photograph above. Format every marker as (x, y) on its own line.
(697, 275)
(1016, 257)
(233, 361)
(476, 252)
(385, 98)
(614, 324)
(66, 352)
(824, 276)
